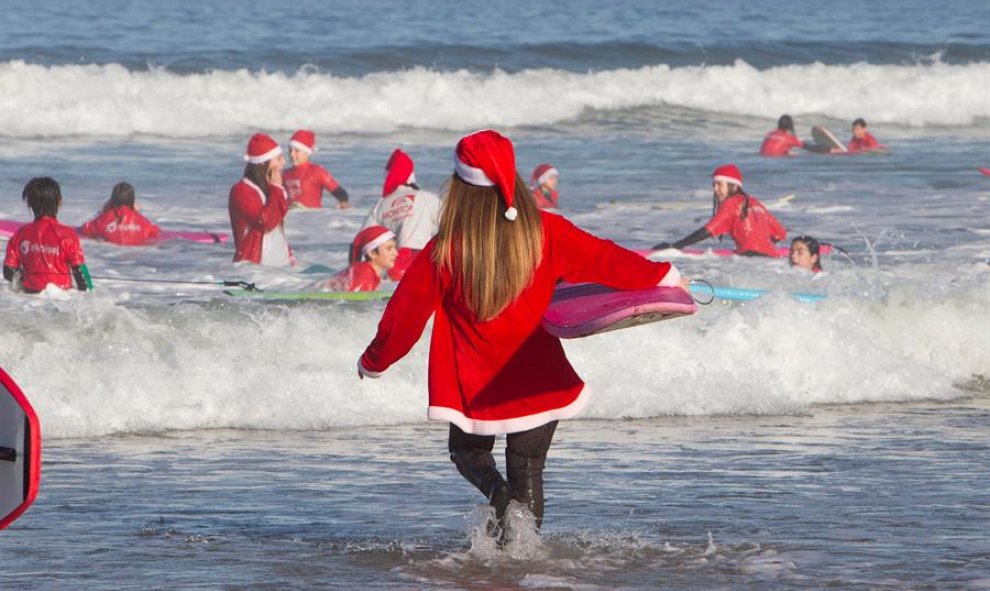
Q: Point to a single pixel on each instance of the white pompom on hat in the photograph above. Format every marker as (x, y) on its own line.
(261, 148)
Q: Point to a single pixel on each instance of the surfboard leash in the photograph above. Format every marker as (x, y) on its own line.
(242, 284)
(705, 283)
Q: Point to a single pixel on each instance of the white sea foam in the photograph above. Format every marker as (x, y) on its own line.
(93, 367)
(110, 100)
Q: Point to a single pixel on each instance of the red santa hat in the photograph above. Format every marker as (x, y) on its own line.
(542, 174)
(728, 173)
(303, 140)
(398, 171)
(486, 159)
(368, 240)
(261, 148)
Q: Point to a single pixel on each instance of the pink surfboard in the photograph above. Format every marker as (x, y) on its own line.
(8, 227)
(984, 171)
(20, 452)
(782, 251)
(585, 309)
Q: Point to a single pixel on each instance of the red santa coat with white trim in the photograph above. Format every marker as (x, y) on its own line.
(507, 374)
(252, 215)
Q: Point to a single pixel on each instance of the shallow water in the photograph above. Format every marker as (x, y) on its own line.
(871, 496)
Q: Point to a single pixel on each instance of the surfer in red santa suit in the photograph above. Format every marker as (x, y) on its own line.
(411, 213)
(487, 278)
(258, 206)
(372, 254)
(781, 141)
(753, 228)
(543, 183)
(306, 180)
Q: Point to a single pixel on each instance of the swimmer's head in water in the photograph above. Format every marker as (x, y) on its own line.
(805, 253)
(43, 195)
(859, 128)
(785, 123)
(122, 194)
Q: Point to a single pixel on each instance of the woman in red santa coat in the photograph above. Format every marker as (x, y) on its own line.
(487, 278)
(258, 206)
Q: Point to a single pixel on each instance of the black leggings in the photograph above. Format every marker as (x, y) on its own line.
(534, 443)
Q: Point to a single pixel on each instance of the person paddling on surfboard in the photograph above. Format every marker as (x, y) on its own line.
(372, 254)
(781, 141)
(543, 183)
(743, 217)
(805, 253)
(487, 278)
(410, 212)
(306, 180)
(120, 222)
(45, 252)
(862, 140)
(258, 206)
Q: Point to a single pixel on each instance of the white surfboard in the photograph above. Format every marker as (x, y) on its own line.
(20, 452)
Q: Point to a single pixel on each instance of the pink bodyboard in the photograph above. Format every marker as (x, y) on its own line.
(8, 227)
(585, 309)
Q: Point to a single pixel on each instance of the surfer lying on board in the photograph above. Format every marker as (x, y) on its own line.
(45, 252)
(411, 213)
(372, 254)
(781, 141)
(306, 180)
(258, 206)
(806, 253)
(119, 221)
(543, 183)
(487, 278)
(753, 228)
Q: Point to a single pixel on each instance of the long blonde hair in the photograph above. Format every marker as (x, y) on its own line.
(491, 257)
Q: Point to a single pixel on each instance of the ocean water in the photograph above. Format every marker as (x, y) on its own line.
(197, 441)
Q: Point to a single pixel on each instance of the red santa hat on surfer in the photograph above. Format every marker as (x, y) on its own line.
(486, 159)
(261, 148)
(542, 174)
(368, 240)
(398, 171)
(303, 140)
(728, 173)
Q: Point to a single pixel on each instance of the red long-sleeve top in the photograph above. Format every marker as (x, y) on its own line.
(305, 184)
(45, 251)
(779, 143)
(756, 232)
(506, 374)
(122, 225)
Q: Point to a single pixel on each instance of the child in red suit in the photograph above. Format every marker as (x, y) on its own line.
(372, 254)
(45, 252)
(119, 222)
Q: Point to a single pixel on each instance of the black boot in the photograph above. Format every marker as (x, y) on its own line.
(478, 467)
(526, 481)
